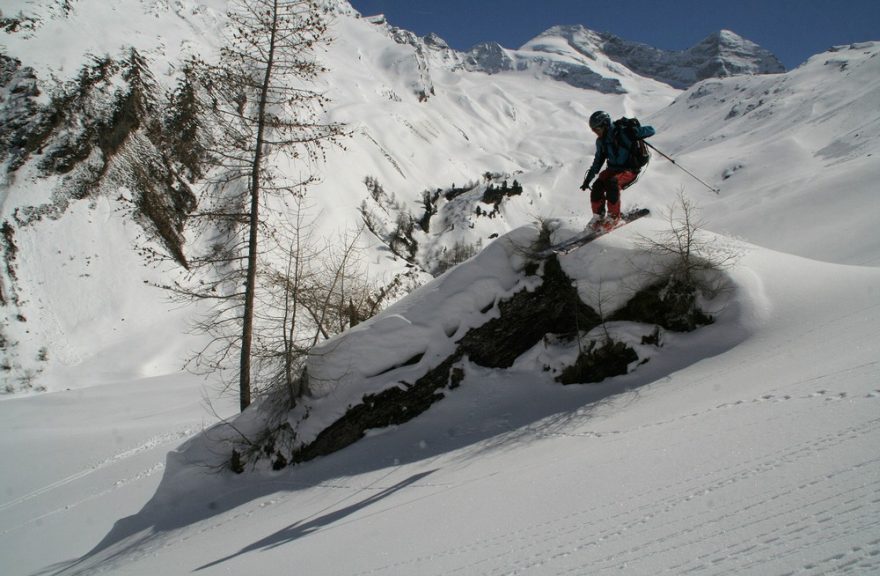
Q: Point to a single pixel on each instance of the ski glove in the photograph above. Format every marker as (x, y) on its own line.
(586, 184)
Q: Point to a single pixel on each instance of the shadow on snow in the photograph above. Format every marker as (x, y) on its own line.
(491, 410)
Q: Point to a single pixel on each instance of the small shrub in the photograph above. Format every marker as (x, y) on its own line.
(686, 265)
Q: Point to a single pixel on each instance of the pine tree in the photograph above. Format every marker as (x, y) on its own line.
(260, 94)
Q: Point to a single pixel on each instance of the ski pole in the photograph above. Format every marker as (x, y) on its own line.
(688, 172)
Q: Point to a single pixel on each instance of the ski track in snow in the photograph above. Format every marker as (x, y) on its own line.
(710, 520)
(117, 484)
(749, 537)
(713, 511)
(159, 443)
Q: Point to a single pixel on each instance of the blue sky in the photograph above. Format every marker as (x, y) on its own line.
(794, 30)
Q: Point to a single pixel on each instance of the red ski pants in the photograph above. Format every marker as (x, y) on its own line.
(607, 189)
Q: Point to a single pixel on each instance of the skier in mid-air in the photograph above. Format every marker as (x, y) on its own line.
(618, 143)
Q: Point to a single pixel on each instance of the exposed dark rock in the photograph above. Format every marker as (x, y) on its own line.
(489, 57)
(525, 319)
(387, 408)
(598, 363)
(553, 307)
(672, 305)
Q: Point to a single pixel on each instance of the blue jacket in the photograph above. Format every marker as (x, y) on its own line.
(614, 147)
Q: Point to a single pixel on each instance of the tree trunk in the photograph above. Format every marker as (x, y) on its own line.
(251, 279)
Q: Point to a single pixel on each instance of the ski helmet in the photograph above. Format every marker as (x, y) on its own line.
(600, 119)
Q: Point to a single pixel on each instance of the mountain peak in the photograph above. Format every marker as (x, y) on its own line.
(728, 34)
(727, 39)
(726, 53)
(719, 55)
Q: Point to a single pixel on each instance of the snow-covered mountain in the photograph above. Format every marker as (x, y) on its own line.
(574, 54)
(79, 117)
(745, 447)
(719, 55)
(568, 53)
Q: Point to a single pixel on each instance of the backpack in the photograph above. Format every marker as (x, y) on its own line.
(638, 151)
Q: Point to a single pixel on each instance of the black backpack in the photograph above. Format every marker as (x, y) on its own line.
(638, 151)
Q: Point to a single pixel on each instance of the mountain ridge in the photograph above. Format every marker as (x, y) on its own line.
(719, 55)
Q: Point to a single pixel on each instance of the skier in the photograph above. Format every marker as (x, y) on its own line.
(618, 144)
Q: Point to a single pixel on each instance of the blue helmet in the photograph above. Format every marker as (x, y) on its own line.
(600, 119)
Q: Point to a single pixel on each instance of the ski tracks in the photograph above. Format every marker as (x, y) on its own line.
(802, 505)
(133, 464)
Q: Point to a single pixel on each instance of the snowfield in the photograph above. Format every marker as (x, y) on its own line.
(746, 447)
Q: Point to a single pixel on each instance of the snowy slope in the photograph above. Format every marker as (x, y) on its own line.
(748, 447)
(819, 124)
(79, 309)
(516, 125)
(733, 452)
(56, 37)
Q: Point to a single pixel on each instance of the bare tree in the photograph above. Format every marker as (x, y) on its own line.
(268, 117)
(321, 291)
(686, 262)
(688, 253)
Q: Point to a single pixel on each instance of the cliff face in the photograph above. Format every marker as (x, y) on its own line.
(110, 127)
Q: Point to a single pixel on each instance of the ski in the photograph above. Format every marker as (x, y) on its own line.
(573, 244)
